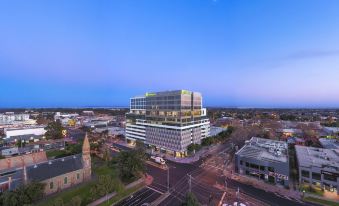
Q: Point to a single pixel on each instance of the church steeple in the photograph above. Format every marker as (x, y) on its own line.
(85, 146)
(86, 158)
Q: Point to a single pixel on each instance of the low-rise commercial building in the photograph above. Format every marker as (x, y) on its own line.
(10, 117)
(15, 134)
(264, 159)
(318, 167)
(329, 143)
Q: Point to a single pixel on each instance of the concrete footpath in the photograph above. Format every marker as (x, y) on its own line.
(264, 186)
(196, 157)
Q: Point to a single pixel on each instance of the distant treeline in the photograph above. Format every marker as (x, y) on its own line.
(111, 111)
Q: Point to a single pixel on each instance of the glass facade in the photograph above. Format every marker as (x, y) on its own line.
(138, 103)
(169, 120)
(174, 108)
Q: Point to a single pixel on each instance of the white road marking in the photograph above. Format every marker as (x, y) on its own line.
(154, 190)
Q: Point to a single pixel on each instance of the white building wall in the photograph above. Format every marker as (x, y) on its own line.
(25, 131)
(135, 132)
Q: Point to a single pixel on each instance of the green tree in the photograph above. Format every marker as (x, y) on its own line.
(20, 143)
(131, 164)
(25, 194)
(107, 156)
(75, 201)
(34, 191)
(193, 147)
(54, 130)
(140, 149)
(207, 141)
(58, 202)
(190, 200)
(74, 148)
(104, 186)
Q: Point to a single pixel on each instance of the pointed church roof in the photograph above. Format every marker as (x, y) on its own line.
(86, 147)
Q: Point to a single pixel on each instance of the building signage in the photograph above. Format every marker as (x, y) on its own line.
(329, 173)
(148, 94)
(277, 175)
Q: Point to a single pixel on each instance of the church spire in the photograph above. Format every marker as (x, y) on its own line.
(86, 158)
(86, 147)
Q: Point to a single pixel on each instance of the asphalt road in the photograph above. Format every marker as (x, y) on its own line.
(203, 182)
(142, 197)
(179, 183)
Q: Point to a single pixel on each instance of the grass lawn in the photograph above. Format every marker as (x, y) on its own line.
(83, 191)
(122, 195)
(105, 170)
(320, 201)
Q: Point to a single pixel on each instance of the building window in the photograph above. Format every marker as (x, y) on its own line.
(271, 169)
(316, 176)
(254, 166)
(262, 168)
(65, 180)
(247, 164)
(240, 162)
(305, 173)
(51, 185)
(78, 176)
(330, 177)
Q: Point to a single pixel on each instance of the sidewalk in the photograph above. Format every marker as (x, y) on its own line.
(203, 152)
(334, 199)
(196, 157)
(264, 186)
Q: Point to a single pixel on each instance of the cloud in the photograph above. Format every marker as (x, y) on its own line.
(312, 54)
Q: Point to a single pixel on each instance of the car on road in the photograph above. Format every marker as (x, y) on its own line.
(158, 160)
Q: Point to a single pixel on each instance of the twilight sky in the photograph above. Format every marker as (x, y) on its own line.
(254, 53)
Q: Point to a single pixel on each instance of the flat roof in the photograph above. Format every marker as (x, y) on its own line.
(317, 157)
(264, 150)
(24, 128)
(329, 143)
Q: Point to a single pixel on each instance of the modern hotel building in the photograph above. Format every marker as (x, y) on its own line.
(169, 120)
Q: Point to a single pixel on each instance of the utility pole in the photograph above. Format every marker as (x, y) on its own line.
(189, 183)
(237, 194)
(168, 189)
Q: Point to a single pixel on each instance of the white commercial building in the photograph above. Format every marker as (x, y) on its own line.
(10, 117)
(12, 132)
(169, 121)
